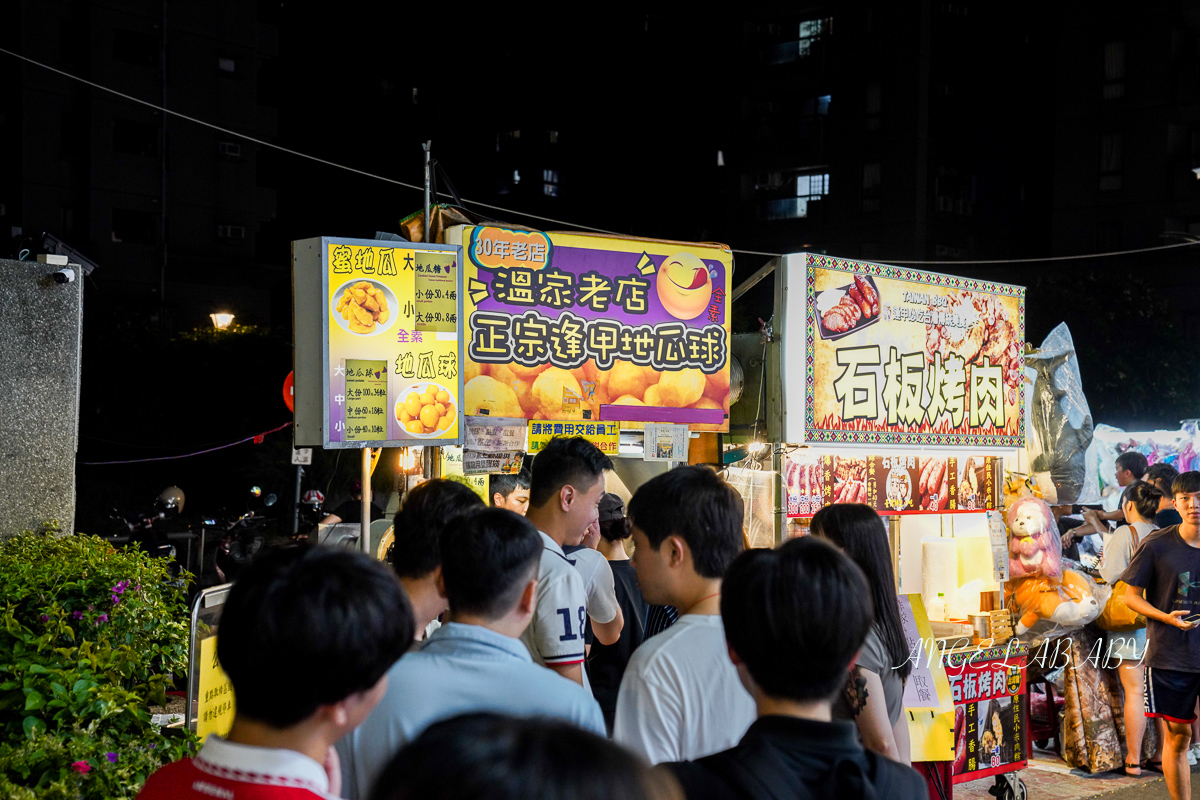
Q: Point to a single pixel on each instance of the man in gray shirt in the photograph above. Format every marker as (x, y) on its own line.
(474, 662)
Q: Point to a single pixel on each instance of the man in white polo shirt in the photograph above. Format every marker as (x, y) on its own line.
(564, 497)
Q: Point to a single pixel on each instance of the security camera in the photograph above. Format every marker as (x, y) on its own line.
(64, 275)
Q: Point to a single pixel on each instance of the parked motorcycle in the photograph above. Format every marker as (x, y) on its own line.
(238, 539)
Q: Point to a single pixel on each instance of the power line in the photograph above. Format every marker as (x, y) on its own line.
(481, 204)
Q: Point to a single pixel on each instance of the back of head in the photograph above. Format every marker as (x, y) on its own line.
(487, 560)
(859, 531)
(1162, 475)
(796, 616)
(309, 627)
(1144, 496)
(504, 484)
(1133, 461)
(492, 757)
(614, 525)
(565, 461)
(696, 504)
(427, 511)
(1186, 483)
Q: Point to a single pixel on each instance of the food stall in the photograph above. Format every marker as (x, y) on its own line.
(624, 341)
(902, 389)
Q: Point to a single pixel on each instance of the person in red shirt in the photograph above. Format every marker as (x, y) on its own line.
(307, 637)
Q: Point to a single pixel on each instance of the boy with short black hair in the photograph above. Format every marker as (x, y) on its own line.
(566, 485)
(680, 697)
(475, 662)
(306, 638)
(794, 619)
(428, 511)
(510, 491)
(1164, 586)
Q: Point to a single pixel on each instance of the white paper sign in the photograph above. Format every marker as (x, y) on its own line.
(999, 533)
(665, 442)
(302, 456)
(495, 434)
(920, 690)
(481, 462)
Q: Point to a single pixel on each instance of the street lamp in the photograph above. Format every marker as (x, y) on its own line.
(221, 320)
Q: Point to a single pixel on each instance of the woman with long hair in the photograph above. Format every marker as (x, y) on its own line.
(884, 663)
(1140, 503)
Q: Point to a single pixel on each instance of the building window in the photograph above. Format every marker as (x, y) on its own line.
(231, 232)
(1110, 162)
(136, 48)
(1114, 70)
(229, 150)
(130, 226)
(799, 191)
(954, 192)
(552, 137)
(135, 138)
(811, 31)
(227, 65)
(550, 182)
(874, 106)
(872, 178)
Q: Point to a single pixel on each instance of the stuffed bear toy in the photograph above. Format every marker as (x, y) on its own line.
(1034, 548)
(1068, 601)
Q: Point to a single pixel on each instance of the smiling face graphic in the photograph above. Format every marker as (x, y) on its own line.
(684, 286)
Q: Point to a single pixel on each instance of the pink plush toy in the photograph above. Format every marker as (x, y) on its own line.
(1033, 544)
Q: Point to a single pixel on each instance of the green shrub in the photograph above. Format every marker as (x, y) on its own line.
(89, 638)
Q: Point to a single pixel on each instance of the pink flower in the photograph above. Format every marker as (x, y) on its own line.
(82, 767)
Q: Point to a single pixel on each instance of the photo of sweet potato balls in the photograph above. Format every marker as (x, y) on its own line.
(425, 410)
(548, 392)
(362, 307)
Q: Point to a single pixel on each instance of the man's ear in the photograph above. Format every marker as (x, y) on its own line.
(678, 552)
(497, 500)
(566, 496)
(439, 581)
(528, 602)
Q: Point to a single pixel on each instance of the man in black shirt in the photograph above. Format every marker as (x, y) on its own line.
(1164, 586)
(606, 663)
(794, 619)
(351, 510)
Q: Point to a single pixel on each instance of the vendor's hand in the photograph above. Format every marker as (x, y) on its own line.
(1069, 537)
(1092, 517)
(1176, 618)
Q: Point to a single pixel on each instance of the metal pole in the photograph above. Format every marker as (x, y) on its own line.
(364, 534)
(162, 174)
(428, 147)
(296, 502)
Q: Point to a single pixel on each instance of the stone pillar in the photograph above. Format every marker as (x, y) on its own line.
(41, 326)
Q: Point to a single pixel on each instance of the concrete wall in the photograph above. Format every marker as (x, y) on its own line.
(40, 339)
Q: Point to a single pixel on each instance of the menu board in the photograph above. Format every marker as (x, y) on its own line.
(892, 484)
(390, 355)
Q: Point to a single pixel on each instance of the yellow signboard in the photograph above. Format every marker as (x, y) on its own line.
(604, 435)
(393, 343)
(215, 707)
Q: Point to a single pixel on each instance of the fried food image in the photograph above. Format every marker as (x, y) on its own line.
(493, 398)
(363, 306)
(552, 389)
(426, 409)
(989, 333)
(933, 492)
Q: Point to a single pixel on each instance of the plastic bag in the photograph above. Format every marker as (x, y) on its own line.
(1059, 416)
(1044, 608)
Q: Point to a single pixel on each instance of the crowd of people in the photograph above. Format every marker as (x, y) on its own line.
(578, 650)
